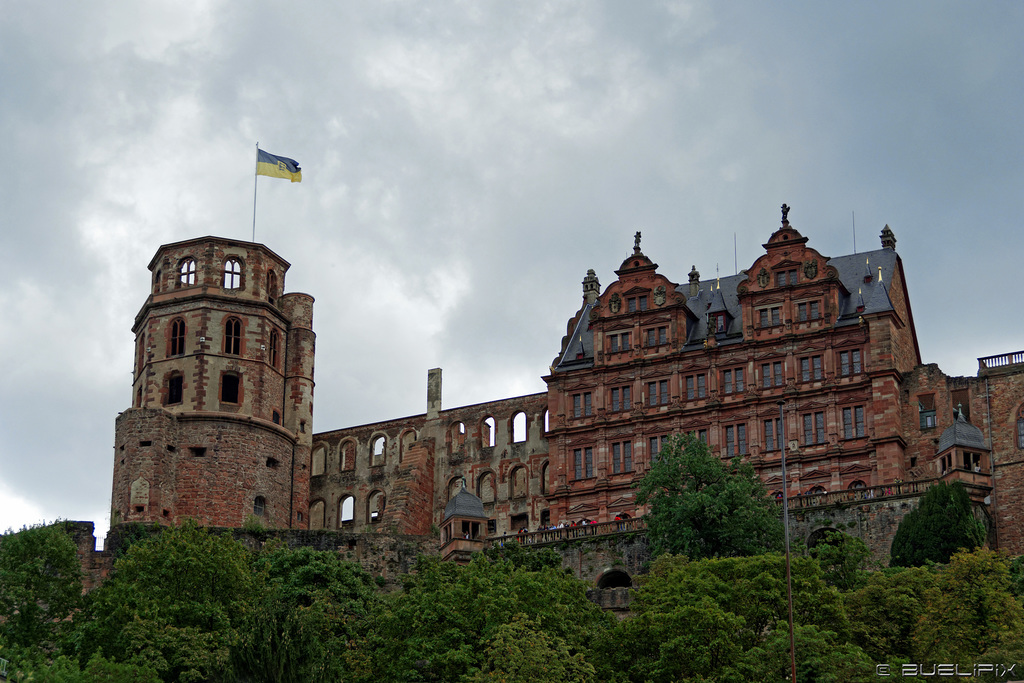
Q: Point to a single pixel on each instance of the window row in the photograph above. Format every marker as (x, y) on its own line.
(373, 511)
(487, 485)
(232, 276)
(230, 390)
(321, 462)
(232, 340)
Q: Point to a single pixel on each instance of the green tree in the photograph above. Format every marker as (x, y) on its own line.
(941, 525)
(40, 585)
(697, 620)
(174, 603)
(844, 559)
(884, 612)
(441, 626)
(304, 617)
(702, 507)
(520, 652)
(970, 611)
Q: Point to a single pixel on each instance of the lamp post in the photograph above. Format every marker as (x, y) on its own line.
(785, 524)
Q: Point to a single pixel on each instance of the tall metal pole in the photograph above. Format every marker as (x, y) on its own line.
(785, 523)
(255, 178)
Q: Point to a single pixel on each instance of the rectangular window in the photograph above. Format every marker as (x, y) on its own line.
(732, 381)
(577, 456)
(853, 422)
(657, 393)
(620, 399)
(656, 336)
(631, 304)
(654, 446)
(652, 337)
(735, 440)
(624, 341)
(849, 363)
(771, 374)
(174, 389)
(622, 457)
(810, 368)
(696, 387)
(785, 277)
(588, 461)
(809, 310)
(814, 428)
(770, 316)
(772, 434)
(926, 410)
(642, 301)
(613, 343)
(663, 335)
(229, 388)
(702, 435)
(582, 405)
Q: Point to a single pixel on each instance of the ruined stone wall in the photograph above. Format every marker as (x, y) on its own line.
(1003, 404)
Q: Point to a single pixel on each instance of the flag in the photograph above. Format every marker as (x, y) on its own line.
(277, 167)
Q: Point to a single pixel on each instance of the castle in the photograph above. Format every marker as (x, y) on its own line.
(820, 351)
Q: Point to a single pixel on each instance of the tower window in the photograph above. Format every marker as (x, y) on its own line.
(232, 274)
(177, 337)
(233, 336)
(274, 339)
(229, 388)
(271, 286)
(187, 273)
(259, 506)
(174, 384)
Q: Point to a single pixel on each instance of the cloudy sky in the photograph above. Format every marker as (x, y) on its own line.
(464, 164)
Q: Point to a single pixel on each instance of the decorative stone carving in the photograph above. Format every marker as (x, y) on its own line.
(763, 278)
(811, 269)
(615, 304)
(659, 295)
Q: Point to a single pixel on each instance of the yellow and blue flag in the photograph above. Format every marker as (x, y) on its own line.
(277, 167)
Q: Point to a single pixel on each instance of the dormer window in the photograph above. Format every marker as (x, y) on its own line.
(717, 322)
(785, 277)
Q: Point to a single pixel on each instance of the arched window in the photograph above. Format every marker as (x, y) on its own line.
(232, 274)
(544, 479)
(317, 466)
(519, 427)
(407, 440)
(857, 485)
(547, 421)
(454, 486)
(346, 511)
(375, 507)
(487, 431)
(316, 515)
(271, 286)
(233, 336)
(187, 273)
(458, 436)
(259, 506)
(377, 457)
(816, 491)
(520, 485)
(348, 456)
(274, 341)
(177, 337)
(157, 280)
(485, 487)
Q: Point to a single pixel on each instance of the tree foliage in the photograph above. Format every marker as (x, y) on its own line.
(175, 603)
(304, 616)
(447, 619)
(40, 585)
(702, 507)
(942, 524)
(719, 619)
(844, 559)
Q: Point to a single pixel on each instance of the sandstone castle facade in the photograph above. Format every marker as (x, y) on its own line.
(220, 428)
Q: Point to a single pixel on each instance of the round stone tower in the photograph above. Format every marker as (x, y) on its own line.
(220, 426)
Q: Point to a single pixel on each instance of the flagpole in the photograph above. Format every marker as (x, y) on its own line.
(255, 179)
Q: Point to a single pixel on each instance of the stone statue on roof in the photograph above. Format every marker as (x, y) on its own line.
(636, 241)
(785, 213)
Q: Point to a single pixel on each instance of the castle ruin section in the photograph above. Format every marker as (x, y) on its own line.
(220, 425)
(398, 475)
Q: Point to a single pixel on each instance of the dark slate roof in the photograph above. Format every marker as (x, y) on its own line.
(963, 434)
(720, 294)
(579, 353)
(464, 504)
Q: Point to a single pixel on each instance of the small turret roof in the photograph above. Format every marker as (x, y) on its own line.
(464, 504)
(963, 434)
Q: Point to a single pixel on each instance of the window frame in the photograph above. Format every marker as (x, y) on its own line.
(811, 369)
(232, 272)
(853, 422)
(620, 399)
(622, 457)
(187, 272)
(814, 428)
(177, 337)
(233, 336)
(732, 380)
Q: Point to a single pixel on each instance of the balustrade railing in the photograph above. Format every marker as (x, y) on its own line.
(1002, 360)
(569, 533)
